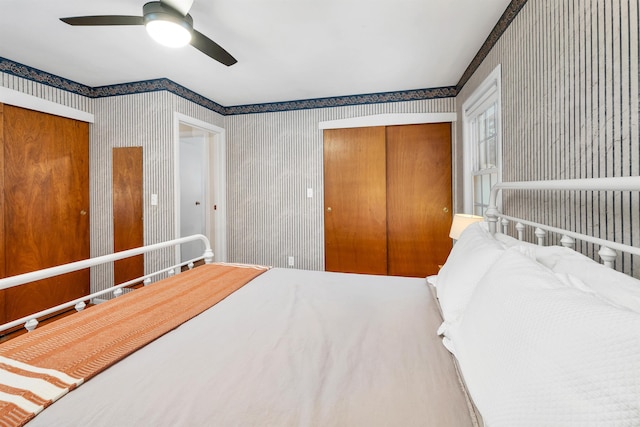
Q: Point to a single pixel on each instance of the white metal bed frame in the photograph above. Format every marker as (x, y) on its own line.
(608, 248)
(494, 216)
(31, 321)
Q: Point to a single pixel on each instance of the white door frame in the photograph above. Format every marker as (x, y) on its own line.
(215, 220)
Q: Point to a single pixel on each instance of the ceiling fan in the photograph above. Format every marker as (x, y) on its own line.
(168, 22)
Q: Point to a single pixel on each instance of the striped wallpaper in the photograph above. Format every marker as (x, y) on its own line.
(47, 92)
(570, 110)
(122, 121)
(272, 158)
(137, 120)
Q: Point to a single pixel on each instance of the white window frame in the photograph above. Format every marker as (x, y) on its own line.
(489, 92)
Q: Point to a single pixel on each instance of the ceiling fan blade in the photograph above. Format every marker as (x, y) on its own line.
(182, 6)
(103, 20)
(207, 46)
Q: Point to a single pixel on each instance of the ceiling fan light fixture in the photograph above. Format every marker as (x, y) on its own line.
(168, 33)
(166, 25)
(169, 24)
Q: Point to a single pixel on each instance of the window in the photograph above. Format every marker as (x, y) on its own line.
(482, 144)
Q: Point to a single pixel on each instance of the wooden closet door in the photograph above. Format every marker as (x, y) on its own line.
(418, 198)
(46, 206)
(355, 220)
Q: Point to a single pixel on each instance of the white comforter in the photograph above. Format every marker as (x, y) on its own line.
(291, 348)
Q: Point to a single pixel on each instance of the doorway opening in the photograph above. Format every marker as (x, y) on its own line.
(200, 186)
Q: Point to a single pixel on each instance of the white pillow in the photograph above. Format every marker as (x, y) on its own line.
(526, 248)
(469, 260)
(536, 352)
(609, 284)
(509, 241)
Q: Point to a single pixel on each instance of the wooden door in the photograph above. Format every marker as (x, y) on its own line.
(127, 211)
(46, 206)
(418, 198)
(355, 200)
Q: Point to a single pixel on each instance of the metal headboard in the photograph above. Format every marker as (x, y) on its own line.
(607, 248)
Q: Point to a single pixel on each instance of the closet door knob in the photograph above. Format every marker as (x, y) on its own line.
(83, 212)
(445, 209)
(329, 209)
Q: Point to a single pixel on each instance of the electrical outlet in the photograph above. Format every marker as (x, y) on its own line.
(290, 261)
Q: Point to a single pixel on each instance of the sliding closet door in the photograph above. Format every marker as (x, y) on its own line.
(46, 206)
(355, 200)
(418, 198)
(388, 199)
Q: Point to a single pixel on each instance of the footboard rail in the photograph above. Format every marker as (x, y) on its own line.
(30, 322)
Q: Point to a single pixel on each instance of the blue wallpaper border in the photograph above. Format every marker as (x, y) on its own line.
(343, 101)
(24, 71)
(514, 7)
(20, 70)
(39, 76)
(155, 86)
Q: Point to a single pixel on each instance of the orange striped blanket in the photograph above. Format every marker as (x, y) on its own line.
(40, 367)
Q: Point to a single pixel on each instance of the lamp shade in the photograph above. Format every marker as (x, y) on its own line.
(460, 222)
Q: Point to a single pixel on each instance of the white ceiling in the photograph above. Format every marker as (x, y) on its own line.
(286, 49)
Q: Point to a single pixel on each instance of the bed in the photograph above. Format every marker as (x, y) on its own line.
(508, 333)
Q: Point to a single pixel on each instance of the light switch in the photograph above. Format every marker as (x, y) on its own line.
(154, 200)
(309, 192)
